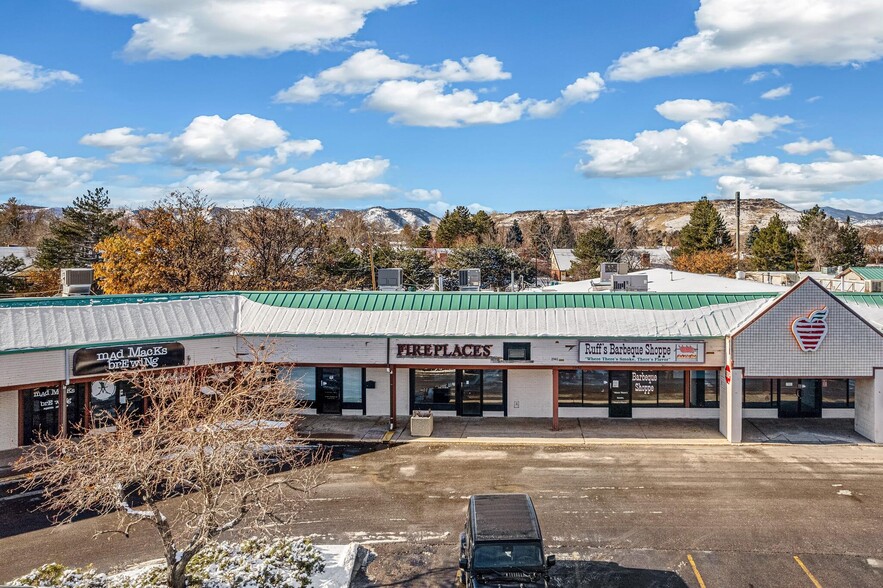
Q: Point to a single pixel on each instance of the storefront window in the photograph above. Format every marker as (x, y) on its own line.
(582, 388)
(758, 393)
(76, 408)
(40, 413)
(644, 388)
(671, 388)
(838, 393)
(595, 392)
(704, 389)
(435, 389)
(107, 400)
(304, 378)
(570, 387)
(492, 390)
(352, 386)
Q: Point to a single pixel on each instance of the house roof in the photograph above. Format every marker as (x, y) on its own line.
(868, 273)
(564, 259)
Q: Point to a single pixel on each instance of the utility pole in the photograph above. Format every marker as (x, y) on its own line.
(738, 232)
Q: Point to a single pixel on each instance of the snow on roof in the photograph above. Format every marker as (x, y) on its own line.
(564, 258)
(66, 323)
(665, 280)
(26, 254)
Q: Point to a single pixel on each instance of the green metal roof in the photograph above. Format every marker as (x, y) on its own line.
(370, 301)
(868, 299)
(869, 273)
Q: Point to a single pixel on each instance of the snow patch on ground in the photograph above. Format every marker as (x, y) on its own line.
(844, 492)
(340, 565)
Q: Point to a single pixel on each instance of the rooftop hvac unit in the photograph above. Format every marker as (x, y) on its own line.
(76, 281)
(629, 283)
(390, 279)
(470, 280)
(609, 268)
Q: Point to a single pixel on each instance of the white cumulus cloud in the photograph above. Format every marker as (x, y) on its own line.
(805, 146)
(751, 33)
(777, 93)
(430, 104)
(697, 145)
(177, 29)
(364, 71)
(683, 109)
(37, 173)
(212, 138)
(16, 74)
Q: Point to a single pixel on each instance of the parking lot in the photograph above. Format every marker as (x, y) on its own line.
(615, 515)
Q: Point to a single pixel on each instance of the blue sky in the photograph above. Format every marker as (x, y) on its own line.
(432, 103)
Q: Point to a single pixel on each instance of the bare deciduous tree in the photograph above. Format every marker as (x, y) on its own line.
(223, 439)
(277, 245)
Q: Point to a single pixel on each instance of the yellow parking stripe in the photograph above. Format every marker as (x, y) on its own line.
(807, 572)
(696, 571)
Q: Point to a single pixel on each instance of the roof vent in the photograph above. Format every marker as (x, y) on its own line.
(76, 281)
(629, 283)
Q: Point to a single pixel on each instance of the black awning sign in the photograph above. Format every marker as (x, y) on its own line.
(101, 360)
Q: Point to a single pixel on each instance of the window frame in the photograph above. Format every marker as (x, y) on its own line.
(510, 345)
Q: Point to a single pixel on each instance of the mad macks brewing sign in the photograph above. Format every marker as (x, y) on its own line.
(642, 352)
(101, 360)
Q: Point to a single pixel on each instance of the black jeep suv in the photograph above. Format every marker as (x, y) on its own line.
(502, 545)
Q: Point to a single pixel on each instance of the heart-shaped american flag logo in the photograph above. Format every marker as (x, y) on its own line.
(810, 330)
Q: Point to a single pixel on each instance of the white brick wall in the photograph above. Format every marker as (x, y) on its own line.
(377, 400)
(20, 369)
(8, 420)
(531, 390)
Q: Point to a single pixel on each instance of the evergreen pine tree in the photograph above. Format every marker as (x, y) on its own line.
(541, 236)
(592, 248)
(565, 238)
(454, 225)
(514, 236)
(706, 230)
(850, 247)
(483, 227)
(774, 248)
(72, 238)
(752, 235)
(424, 236)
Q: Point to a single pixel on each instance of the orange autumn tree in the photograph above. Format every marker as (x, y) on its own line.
(707, 262)
(180, 244)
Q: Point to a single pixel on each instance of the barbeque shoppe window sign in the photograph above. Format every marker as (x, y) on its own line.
(641, 352)
(102, 360)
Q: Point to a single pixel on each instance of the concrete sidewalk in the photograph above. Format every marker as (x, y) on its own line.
(579, 431)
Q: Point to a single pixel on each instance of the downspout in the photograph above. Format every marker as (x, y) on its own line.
(390, 369)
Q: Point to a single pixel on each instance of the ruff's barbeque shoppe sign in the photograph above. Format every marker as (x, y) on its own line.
(641, 352)
(101, 360)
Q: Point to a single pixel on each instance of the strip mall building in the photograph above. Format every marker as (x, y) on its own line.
(801, 353)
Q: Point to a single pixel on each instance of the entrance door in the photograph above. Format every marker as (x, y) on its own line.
(620, 385)
(470, 393)
(329, 392)
(799, 399)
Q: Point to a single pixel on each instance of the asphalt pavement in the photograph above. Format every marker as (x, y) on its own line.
(615, 515)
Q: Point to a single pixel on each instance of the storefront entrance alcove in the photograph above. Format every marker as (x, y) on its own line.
(799, 399)
(620, 393)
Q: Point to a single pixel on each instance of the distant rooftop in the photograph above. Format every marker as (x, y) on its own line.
(661, 280)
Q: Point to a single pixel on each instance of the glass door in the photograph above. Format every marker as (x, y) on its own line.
(789, 399)
(40, 413)
(810, 399)
(620, 386)
(329, 391)
(470, 393)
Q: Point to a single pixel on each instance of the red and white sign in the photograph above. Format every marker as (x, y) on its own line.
(729, 374)
(809, 331)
